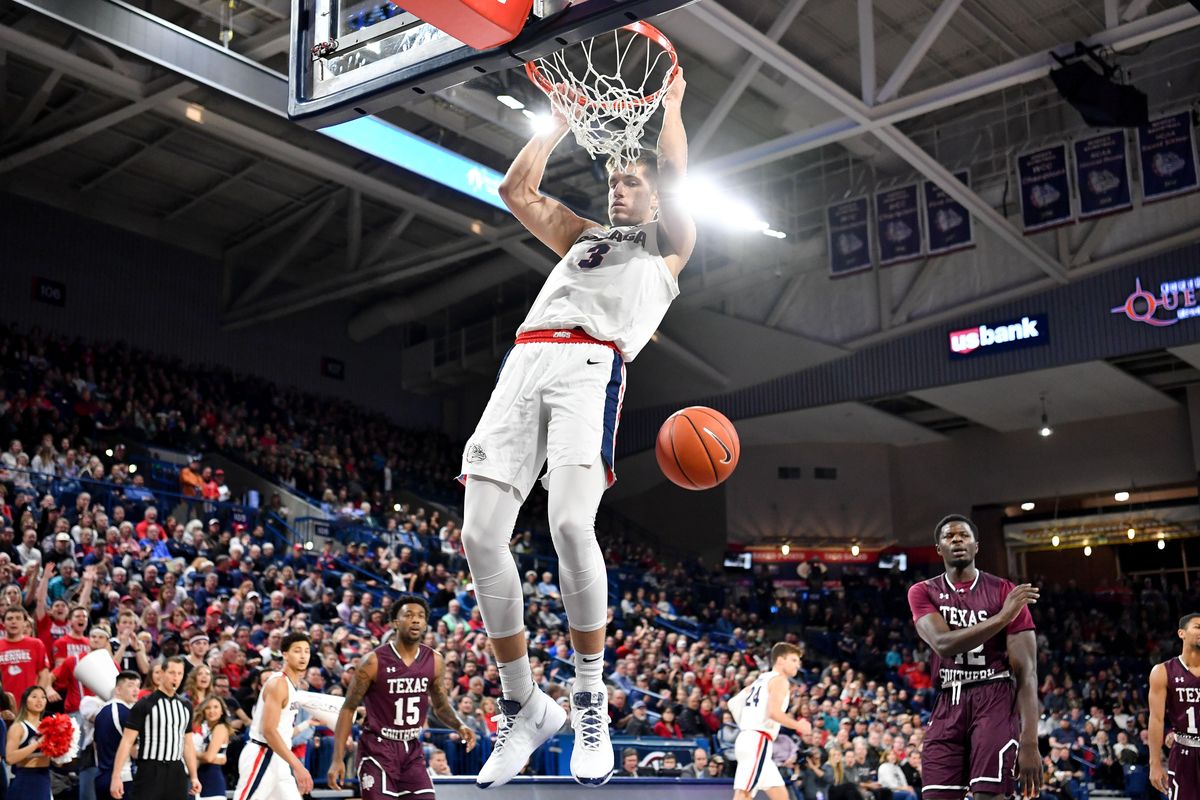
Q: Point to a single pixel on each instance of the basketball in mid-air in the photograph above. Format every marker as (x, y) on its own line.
(697, 448)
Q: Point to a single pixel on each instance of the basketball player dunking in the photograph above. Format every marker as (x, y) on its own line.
(267, 767)
(558, 400)
(984, 723)
(1175, 697)
(398, 682)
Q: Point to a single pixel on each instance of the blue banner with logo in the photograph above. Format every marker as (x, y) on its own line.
(1102, 175)
(1045, 186)
(849, 226)
(898, 220)
(1167, 149)
(947, 222)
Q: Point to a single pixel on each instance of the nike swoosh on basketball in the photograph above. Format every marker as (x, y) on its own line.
(592, 362)
(728, 453)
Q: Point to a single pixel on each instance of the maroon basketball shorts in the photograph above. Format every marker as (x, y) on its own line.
(388, 769)
(1183, 770)
(971, 745)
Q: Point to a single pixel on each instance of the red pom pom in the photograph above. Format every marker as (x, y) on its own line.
(56, 731)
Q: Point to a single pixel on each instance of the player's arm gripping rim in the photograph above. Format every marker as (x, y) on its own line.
(275, 696)
(1022, 659)
(364, 677)
(677, 230)
(441, 704)
(555, 225)
(777, 689)
(948, 643)
(1158, 708)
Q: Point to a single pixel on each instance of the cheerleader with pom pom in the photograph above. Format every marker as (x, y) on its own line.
(30, 766)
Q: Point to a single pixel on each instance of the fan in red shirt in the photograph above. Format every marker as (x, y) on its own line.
(74, 643)
(52, 623)
(23, 660)
(64, 672)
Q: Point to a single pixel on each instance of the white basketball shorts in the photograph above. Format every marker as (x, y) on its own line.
(263, 775)
(557, 401)
(755, 769)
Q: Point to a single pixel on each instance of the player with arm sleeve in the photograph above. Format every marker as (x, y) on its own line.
(1175, 698)
(398, 683)
(984, 724)
(557, 401)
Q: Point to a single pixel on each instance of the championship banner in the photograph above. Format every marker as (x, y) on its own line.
(1102, 175)
(1045, 188)
(898, 221)
(948, 223)
(1167, 150)
(849, 225)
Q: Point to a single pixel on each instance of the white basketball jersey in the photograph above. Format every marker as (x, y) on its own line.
(753, 716)
(287, 717)
(613, 283)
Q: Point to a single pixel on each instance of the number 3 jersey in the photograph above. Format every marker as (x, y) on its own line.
(963, 606)
(398, 700)
(613, 283)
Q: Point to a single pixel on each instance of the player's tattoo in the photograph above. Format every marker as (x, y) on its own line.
(358, 689)
(438, 699)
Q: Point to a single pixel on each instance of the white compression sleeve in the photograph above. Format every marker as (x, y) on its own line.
(489, 516)
(583, 577)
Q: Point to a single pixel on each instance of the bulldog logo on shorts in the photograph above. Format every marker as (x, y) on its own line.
(475, 454)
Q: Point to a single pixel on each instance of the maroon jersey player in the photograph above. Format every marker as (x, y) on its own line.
(984, 664)
(1175, 697)
(398, 683)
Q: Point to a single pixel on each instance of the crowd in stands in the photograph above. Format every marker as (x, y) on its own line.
(85, 544)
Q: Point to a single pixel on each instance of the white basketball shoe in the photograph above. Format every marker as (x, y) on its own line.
(592, 758)
(521, 730)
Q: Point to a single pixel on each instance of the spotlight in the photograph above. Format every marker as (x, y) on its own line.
(855, 550)
(1101, 101)
(1027, 506)
(1087, 549)
(396, 507)
(1045, 430)
(308, 545)
(510, 101)
(108, 452)
(1162, 543)
(1121, 497)
(787, 548)
(132, 468)
(1131, 533)
(1055, 541)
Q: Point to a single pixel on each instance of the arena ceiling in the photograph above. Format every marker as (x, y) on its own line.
(792, 104)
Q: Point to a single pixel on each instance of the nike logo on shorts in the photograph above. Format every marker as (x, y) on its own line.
(728, 453)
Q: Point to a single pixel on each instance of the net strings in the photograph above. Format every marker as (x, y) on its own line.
(611, 119)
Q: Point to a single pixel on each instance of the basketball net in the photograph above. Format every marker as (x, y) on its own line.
(608, 110)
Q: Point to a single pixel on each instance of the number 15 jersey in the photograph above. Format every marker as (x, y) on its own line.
(613, 283)
(398, 700)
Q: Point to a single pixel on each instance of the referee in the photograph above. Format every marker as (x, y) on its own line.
(166, 754)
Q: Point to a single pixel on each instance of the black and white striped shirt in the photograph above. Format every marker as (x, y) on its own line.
(161, 723)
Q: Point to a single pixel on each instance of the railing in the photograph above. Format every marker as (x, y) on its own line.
(108, 495)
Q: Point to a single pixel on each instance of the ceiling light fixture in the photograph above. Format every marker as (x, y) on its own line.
(1121, 497)
(1045, 430)
(1055, 541)
(1087, 549)
(1132, 532)
(1162, 544)
(855, 549)
(1027, 506)
(510, 101)
(787, 548)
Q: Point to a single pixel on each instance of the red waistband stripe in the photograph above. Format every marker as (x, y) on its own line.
(561, 337)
